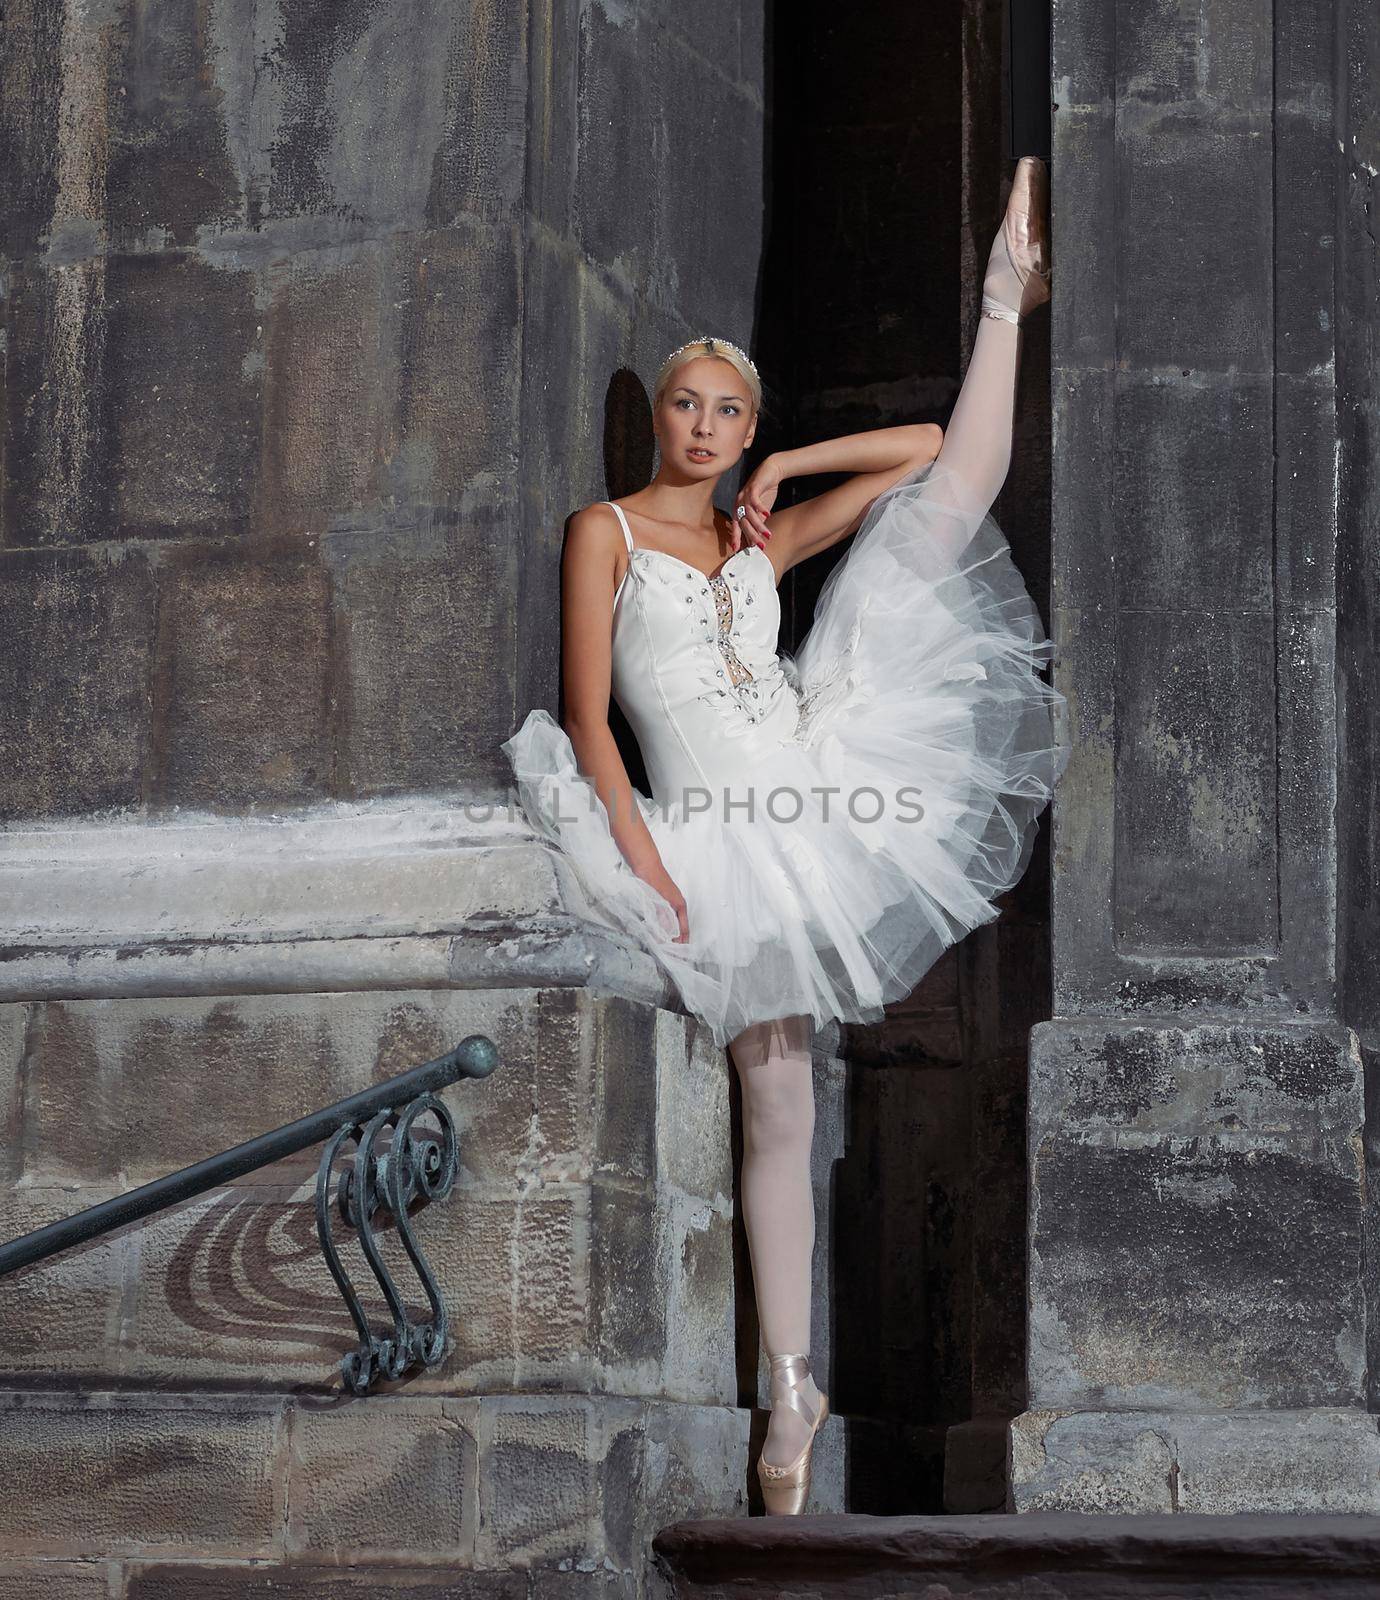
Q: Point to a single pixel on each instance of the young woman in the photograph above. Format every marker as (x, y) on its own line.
(823, 827)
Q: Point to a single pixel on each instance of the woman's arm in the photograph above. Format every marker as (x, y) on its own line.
(878, 458)
(588, 581)
(876, 450)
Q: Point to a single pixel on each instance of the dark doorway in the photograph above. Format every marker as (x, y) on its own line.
(891, 138)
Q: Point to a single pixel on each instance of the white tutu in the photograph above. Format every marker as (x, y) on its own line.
(902, 799)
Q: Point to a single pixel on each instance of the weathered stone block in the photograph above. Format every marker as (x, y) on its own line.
(1196, 1217)
(418, 424)
(628, 1304)
(1108, 1462)
(234, 1285)
(477, 164)
(1184, 543)
(1312, 707)
(60, 1315)
(243, 670)
(1196, 829)
(53, 1580)
(692, 1108)
(173, 163)
(328, 344)
(415, 706)
(640, 75)
(109, 1475)
(1084, 405)
(1083, 845)
(1316, 1461)
(1305, 428)
(696, 1274)
(571, 1484)
(538, 1489)
(31, 46)
(459, 384)
(1177, 54)
(1194, 186)
(182, 385)
(396, 1475)
(1125, 1462)
(78, 631)
(1082, 318)
(1082, 59)
(1305, 258)
(231, 1287)
(695, 1464)
(629, 1078)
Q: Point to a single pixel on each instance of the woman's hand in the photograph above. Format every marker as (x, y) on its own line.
(665, 886)
(758, 495)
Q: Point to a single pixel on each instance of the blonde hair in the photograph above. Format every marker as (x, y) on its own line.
(721, 348)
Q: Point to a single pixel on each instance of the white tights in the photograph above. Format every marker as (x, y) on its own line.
(977, 441)
(773, 1059)
(773, 1062)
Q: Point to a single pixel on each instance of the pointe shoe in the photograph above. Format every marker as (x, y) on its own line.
(786, 1489)
(1025, 230)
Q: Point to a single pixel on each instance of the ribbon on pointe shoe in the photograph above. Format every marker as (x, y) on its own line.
(786, 1489)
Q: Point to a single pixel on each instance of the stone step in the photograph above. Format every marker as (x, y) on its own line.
(1057, 1555)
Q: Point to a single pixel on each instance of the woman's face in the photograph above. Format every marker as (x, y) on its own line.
(705, 420)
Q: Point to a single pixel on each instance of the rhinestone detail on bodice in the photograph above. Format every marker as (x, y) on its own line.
(723, 605)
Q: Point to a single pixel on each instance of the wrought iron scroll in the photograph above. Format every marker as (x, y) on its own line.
(410, 1168)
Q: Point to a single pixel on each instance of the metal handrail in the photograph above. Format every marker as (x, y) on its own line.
(375, 1181)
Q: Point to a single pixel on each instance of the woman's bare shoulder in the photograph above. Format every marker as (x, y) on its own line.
(598, 512)
(593, 531)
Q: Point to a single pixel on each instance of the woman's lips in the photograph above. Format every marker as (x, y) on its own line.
(700, 455)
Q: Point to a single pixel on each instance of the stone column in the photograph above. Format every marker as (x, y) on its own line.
(1197, 1297)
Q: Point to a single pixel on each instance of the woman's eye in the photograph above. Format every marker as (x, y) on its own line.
(732, 408)
(684, 402)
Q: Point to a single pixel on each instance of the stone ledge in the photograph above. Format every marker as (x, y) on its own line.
(1070, 1553)
(422, 891)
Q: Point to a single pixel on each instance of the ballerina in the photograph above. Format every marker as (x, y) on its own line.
(821, 827)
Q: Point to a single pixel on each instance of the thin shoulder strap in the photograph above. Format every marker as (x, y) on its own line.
(627, 532)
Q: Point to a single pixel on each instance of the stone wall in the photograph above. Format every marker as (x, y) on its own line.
(318, 324)
(310, 318)
(173, 1390)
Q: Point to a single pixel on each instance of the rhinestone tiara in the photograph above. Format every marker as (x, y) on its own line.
(727, 345)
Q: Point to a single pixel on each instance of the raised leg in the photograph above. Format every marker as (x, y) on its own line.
(977, 442)
(772, 1060)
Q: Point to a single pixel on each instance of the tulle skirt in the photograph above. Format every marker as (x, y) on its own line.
(905, 801)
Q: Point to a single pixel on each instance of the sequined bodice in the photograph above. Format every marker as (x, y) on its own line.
(695, 666)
